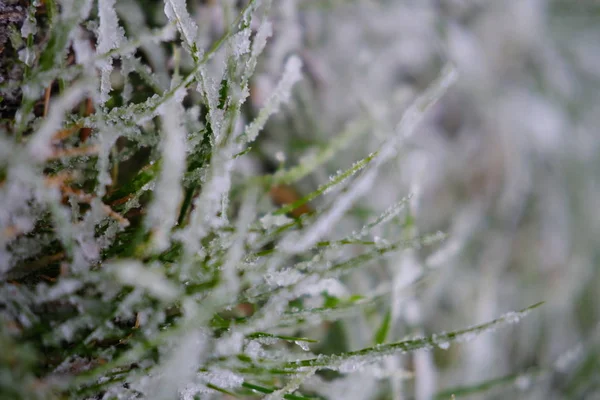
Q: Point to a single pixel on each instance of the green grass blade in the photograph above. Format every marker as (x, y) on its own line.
(355, 359)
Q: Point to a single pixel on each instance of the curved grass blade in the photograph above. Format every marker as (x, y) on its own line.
(354, 360)
(339, 178)
(258, 335)
(291, 175)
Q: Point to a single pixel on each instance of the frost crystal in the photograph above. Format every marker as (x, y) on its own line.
(176, 12)
(136, 274)
(303, 345)
(241, 42)
(222, 378)
(180, 367)
(272, 221)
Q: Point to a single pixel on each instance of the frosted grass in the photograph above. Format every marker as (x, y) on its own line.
(136, 274)
(412, 116)
(176, 12)
(163, 212)
(142, 256)
(353, 361)
(281, 94)
(110, 37)
(39, 147)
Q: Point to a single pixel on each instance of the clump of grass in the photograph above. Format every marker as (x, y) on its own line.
(139, 258)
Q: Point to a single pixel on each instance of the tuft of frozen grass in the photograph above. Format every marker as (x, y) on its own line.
(170, 227)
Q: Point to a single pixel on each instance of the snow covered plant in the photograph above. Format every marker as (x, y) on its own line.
(144, 253)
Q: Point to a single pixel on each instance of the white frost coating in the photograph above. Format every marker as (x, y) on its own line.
(181, 366)
(406, 127)
(26, 56)
(313, 286)
(210, 89)
(334, 178)
(352, 364)
(136, 274)
(222, 378)
(384, 217)
(229, 345)
(110, 36)
(512, 317)
(82, 47)
(192, 391)
(254, 349)
(39, 146)
(291, 75)
(283, 278)
(273, 221)
(208, 204)
(240, 42)
(265, 30)
(62, 288)
(106, 140)
(176, 11)
(381, 243)
(163, 212)
(302, 344)
(29, 26)
(443, 344)
(78, 9)
(231, 282)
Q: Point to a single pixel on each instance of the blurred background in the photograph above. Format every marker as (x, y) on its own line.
(507, 166)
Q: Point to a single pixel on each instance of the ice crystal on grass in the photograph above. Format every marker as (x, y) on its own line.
(176, 12)
(271, 221)
(109, 37)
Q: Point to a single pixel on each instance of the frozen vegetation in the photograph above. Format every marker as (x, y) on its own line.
(299, 199)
